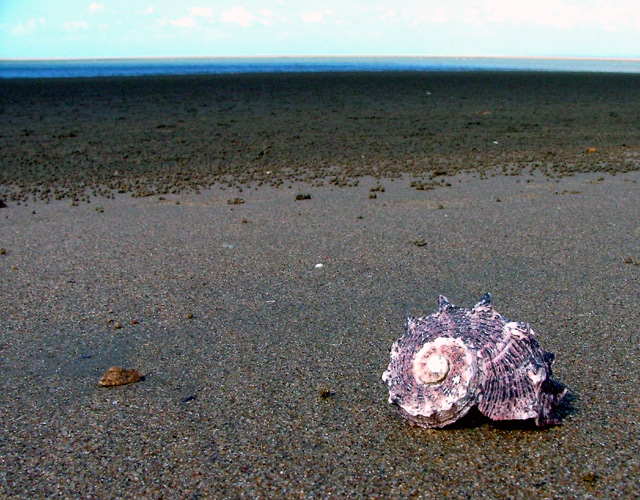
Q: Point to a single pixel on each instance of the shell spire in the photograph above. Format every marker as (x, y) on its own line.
(458, 358)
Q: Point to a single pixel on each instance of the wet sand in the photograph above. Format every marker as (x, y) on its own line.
(72, 138)
(262, 371)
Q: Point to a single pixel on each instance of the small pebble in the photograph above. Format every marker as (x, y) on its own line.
(116, 375)
(324, 392)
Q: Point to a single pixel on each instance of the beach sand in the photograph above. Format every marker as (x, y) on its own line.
(261, 369)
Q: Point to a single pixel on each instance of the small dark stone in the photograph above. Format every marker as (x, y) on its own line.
(303, 196)
(419, 243)
(188, 398)
(2, 203)
(189, 315)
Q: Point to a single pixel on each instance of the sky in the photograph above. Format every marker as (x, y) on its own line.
(170, 28)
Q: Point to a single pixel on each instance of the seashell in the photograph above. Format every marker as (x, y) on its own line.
(116, 375)
(457, 358)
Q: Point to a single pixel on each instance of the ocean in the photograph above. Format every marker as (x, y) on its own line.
(86, 68)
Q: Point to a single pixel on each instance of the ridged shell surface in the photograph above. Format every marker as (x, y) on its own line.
(458, 358)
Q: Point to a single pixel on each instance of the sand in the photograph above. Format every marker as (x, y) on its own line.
(72, 138)
(262, 370)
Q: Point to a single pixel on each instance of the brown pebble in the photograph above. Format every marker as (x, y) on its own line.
(189, 315)
(324, 392)
(3, 251)
(117, 325)
(116, 375)
(134, 321)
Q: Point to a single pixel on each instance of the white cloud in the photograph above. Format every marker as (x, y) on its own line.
(96, 7)
(552, 13)
(148, 10)
(313, 17)
(557, 14)
(27, 28)
(189, 21)
(201, 12)
(183, 22)
(75, 25)
(438, 15)
(386, 14)
(238, 15)
(267, 16)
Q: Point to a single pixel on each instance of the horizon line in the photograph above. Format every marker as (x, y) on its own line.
(326, 56)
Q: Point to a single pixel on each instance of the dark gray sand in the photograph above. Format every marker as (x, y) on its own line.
(240, 336)
(261, 370)
(71, 139)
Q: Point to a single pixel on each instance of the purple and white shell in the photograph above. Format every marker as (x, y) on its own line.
(457, 358)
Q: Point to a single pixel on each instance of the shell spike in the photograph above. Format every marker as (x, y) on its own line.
(443, 302)
(485, 299)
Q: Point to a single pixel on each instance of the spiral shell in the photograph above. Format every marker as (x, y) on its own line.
(457, 358)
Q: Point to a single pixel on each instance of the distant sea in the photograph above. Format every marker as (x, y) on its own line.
(84, 68)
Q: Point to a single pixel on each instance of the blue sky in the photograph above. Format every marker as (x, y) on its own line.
(156, 28)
